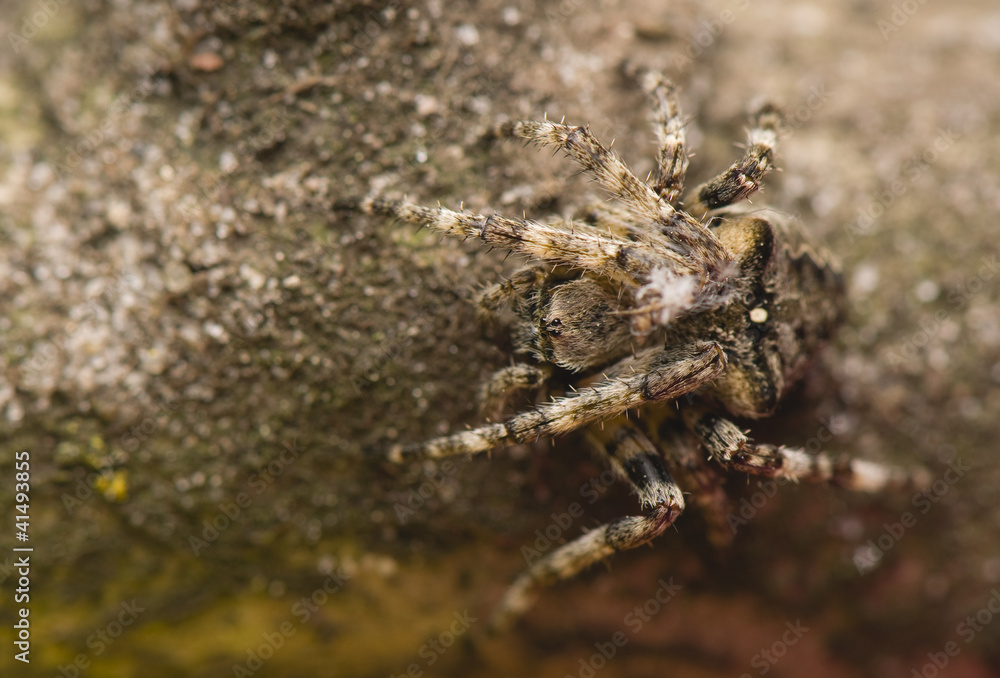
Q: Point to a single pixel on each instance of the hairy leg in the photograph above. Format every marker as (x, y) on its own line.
(608, 217)
(635, 460)
(744, 176)
(516, 288)
(654, 375)
(682, 239)
(672, 159)
(573, 245)
(728, 445)
(687, 462)
(601, 162)
(504, 383)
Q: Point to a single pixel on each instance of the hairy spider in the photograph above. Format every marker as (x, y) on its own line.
(691, 314)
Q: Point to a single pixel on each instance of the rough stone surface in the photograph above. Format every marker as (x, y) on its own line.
(198, 351)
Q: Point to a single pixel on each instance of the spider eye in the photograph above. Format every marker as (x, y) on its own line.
(758, 315)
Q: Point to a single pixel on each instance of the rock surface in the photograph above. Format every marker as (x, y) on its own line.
(199, 351)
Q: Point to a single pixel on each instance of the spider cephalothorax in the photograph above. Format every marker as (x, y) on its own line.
(643, 303)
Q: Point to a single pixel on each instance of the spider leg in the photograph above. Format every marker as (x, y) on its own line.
(576, 245)
(688, 464)
(608, 217)
(744, 176)
(728, 445)
(672, 159)
(635, 459)
(606, 167)
(680, 237)
(653, 375)
(495, 392)
(514, 289)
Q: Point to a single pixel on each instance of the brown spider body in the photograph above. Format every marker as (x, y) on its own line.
(788, 301)
(645, 305)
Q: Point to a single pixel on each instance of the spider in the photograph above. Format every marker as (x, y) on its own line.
(686, 313)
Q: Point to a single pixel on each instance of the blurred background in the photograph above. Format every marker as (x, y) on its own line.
(200, 355)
